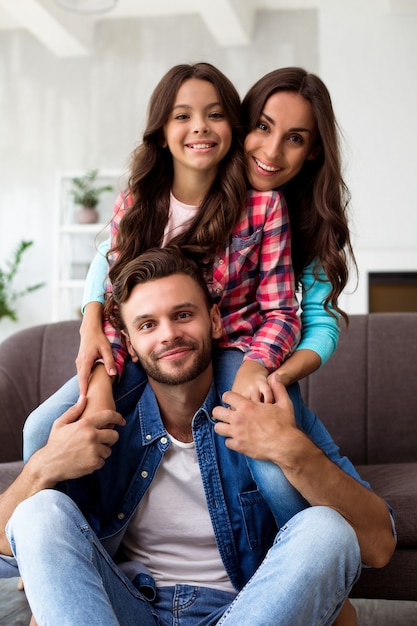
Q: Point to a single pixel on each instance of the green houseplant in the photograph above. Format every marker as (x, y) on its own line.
(86, 193)
(8, 295)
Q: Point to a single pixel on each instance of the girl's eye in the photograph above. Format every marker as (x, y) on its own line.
(217, 115)
(181, 116)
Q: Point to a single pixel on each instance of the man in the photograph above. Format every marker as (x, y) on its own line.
(169, 492)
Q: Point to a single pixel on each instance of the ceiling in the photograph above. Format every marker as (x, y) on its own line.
(67, 34)
(230, 22)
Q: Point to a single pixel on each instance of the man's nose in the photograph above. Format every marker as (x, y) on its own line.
(169, 332)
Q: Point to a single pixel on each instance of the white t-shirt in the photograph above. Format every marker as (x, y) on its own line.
(171, 531)
(180, 215)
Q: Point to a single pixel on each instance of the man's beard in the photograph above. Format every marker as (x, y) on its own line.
(184, 373)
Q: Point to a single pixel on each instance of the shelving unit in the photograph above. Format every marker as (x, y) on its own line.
(75, 244)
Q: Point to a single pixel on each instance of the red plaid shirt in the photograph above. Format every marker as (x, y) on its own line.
(252, 282)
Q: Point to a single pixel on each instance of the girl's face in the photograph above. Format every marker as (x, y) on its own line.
(284, 137)
(197, 133)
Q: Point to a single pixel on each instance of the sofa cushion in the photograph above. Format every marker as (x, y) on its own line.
(396, 483)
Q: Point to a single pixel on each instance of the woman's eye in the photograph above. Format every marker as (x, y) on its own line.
(296, 139)
(262, 126)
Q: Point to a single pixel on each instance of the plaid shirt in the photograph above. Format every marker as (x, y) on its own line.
(252, 281)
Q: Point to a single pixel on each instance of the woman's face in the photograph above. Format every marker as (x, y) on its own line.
(284, 137)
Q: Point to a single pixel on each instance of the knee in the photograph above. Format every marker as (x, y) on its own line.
(37, 520)
(336, 537)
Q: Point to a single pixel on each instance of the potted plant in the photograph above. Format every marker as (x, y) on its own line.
(8, 295)
(86, 193)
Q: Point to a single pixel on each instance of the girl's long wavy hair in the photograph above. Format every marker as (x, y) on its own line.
(317, 197)
(151, 178)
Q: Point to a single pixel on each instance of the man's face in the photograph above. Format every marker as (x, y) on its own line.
(169, 329)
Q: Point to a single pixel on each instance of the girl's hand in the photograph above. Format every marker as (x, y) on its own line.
(251, 381)
(93, 345)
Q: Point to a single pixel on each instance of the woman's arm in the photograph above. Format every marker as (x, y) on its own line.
(319, 329)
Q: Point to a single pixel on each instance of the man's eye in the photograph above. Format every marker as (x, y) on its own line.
(184, 315)
(146, 326)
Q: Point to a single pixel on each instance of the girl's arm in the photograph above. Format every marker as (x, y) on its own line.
(94, 344)
(319, 329)
(277, 330)
(99, 340)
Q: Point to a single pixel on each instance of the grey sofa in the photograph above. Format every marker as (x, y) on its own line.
(365, 395)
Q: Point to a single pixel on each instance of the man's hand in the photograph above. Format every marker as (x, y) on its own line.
(77, 447)
(254, 428)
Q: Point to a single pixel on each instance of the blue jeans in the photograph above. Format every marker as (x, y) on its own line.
(283, 500)
(281, 497)
(70, 579)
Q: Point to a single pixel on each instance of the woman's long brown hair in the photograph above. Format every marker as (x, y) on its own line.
(317, 197)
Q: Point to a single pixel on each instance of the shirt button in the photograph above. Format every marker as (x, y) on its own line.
(164, 440)
(218, 290)
(148, 437)
(144, 474)
(120, 516)
(221, 262)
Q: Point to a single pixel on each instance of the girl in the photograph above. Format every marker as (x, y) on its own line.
(187, 187)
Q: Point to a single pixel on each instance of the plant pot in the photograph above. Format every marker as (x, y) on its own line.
(85, 215)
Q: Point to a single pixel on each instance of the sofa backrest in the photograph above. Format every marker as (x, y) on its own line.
(366, 394)
(34, 363)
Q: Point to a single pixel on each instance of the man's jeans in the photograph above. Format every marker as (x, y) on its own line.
(70, 579)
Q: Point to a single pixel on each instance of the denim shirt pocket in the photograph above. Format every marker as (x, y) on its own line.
(257, 518)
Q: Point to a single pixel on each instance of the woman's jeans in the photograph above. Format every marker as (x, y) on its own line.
(283, 500)
(70, 579)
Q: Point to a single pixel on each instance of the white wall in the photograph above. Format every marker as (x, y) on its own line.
(368, 59)
(89, 112)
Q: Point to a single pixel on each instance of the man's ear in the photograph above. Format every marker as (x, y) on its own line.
(129, 346)
(314, 153)
(216, 322)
